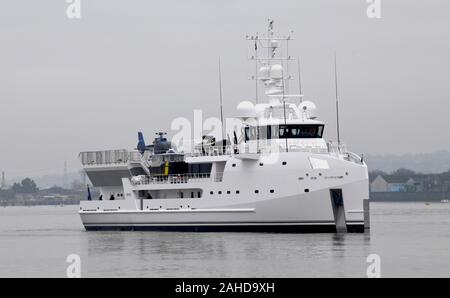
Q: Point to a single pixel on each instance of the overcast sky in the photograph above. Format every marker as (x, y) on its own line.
(73, 85)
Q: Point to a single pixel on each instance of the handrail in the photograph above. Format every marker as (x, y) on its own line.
(118, 156)
(122, 156)
(353, 157)
(177, 178)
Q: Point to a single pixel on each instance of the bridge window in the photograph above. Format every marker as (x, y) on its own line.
(299, 131)
(250, 133)
(290, 131)
(200, 168)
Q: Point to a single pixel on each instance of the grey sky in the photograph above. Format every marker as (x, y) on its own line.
(73, 85)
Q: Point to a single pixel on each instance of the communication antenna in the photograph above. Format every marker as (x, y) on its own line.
(284, 112)
(337, 100)
(299, 79)
(221, 102)
(256, 68)
(272, 44)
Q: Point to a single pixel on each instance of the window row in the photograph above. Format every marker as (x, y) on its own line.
(290, 131)
(237, 192)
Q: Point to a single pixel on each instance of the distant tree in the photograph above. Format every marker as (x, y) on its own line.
(6, 194)
(403, 172)
(378, 172)
(16, 187)
(373, 174)
(25, 186)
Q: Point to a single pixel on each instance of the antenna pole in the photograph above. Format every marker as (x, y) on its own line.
(287, 65)
(220, 97)
(256, 69)
(337, 99)
(284, 112)
(299, 79)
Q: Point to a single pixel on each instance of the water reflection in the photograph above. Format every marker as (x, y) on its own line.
(411, 239)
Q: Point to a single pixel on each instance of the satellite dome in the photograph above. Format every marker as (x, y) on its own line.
(276, 71)
(264, 72)
(246, 109)
(308, 108)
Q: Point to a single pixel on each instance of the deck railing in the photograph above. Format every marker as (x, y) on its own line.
(111, 157)
(104, 157)
(177, 178)
(122, 156)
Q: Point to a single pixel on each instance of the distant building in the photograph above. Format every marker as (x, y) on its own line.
(379, 184)
(391, 183)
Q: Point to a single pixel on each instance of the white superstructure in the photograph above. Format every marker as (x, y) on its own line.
(276, 174)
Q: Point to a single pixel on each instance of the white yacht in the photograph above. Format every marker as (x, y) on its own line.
(277, 174)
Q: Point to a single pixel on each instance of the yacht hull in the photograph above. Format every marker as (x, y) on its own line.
(306, 212)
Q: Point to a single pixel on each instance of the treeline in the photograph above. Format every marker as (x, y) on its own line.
(27, 189)
(26, 186)
(399, 172)
(404, 173)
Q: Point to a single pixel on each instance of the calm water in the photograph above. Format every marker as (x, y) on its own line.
(412, 239)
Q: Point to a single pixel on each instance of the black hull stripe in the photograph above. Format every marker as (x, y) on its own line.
(219, 222)
(228, 228)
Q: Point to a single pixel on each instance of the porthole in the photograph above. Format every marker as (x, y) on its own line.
(237, 191)
(261, 164)
(233, 165)
(306, 189)
(228, 192)
(211, 192)
(272, 191)
(220, 192)
(256, 191)
(306, 174)
(284, 163)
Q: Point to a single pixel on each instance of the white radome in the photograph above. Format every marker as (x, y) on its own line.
(276, 71)
(246, 109)
(308, 108)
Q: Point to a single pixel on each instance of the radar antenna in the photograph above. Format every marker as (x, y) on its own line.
(221, 102)
(269, 67)
(337, 100)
